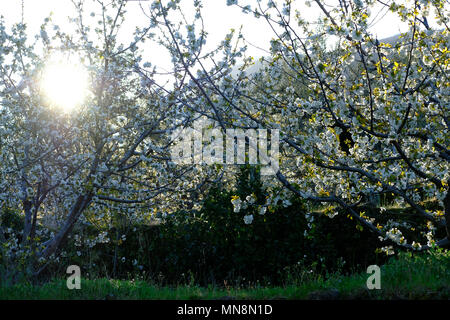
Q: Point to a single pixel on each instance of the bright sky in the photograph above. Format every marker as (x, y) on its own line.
(219, 19)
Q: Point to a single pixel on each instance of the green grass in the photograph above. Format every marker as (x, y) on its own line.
(408, 276)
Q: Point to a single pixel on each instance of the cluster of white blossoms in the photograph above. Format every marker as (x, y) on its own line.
(248, 219)
(309, 219)
(430, 234)
(237, 202)
(415, 245)
(262, 210)
(248, 203)
(102, 237)
(91, 242)
(389, 250)
(396, 236)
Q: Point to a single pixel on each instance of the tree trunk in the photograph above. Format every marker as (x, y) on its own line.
(54, 244)
(447, 210)
(27, 222)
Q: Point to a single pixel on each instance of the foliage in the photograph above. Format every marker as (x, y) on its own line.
(360, 119)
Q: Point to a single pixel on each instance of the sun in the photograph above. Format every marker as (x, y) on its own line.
(65, 82)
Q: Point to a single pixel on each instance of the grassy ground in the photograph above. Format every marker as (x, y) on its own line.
(424, 276)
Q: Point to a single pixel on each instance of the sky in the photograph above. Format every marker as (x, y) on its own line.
(219, 19)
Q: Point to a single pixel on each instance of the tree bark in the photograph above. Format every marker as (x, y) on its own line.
(27, 223)
(54, 244)
(447, 210)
